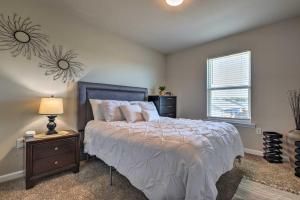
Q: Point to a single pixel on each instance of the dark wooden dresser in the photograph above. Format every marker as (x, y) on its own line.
(48, 156)
(166, 105)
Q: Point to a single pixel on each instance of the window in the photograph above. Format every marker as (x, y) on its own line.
(229, 87)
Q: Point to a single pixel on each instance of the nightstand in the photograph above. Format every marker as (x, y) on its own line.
(165, 105)
(52, 154)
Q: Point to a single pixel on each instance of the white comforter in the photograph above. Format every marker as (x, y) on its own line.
(170, 159)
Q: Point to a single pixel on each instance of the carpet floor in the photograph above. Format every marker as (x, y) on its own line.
(280, 176)
(92, 182)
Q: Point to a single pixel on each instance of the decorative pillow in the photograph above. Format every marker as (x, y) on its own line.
(147, 105)
(132, 113)
(96, 108)
(111, 110)
(150, 115)
(149, 111)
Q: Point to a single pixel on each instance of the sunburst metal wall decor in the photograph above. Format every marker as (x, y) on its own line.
(61, 65)
(20, 36)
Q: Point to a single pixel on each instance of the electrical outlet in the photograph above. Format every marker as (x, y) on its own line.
(258, 131)
(20, 143)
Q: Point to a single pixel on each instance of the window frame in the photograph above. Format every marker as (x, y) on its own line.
(239, 121)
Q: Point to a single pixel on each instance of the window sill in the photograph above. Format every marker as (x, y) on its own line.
(237, 123)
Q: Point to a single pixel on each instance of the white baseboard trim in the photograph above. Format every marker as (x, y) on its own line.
(285, 158)
(253, 152)
(12, 176)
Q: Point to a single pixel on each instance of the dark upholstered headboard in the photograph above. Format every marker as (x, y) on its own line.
(88, 91)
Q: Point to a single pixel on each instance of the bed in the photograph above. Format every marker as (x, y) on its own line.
(168, 159)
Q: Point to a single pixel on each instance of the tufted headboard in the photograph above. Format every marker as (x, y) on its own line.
(88, 91)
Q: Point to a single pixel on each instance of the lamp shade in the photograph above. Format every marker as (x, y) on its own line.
(51, 106)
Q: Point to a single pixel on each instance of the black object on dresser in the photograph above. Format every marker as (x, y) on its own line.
(297, 162)
(51, 155)
(165, 105)
(272, 147)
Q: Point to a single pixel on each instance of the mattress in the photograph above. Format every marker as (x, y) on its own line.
(171, 159)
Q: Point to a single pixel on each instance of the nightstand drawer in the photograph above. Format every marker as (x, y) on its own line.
(167, 109)
(168, 101)
(52, 148)
(49, 164)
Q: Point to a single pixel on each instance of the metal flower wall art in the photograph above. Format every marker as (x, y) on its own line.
(61, 65)
(20, 36)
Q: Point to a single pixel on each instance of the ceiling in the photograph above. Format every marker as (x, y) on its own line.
(168, 29)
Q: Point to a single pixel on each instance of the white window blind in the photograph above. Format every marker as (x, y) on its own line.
(229, 86)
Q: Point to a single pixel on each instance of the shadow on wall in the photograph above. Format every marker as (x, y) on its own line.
(12, 161)
(19, 107)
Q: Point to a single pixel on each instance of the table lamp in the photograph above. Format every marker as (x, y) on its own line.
(51, 107)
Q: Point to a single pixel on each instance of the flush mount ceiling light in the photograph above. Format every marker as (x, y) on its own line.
(174, 2)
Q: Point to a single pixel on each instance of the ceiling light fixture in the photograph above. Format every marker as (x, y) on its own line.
(174, 2)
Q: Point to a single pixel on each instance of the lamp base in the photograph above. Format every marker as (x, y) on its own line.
(51, 125)
(51, 132)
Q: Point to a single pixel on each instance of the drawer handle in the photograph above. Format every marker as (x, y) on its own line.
(56, 163)
(56, 148)
(170, 98)
(170, 106)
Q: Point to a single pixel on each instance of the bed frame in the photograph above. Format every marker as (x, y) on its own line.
(88, 91)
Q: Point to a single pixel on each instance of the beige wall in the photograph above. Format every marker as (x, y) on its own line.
(275, 70)
(107, 57)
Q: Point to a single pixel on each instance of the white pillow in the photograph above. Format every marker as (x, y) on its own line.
(111, 110)
(150, 115)
(149, 111)
(147, 105)
(132, 113)
(96, 108)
